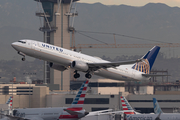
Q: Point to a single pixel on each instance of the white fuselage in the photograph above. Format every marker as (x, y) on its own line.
(163, 116)
(65, 57)
(44, 114)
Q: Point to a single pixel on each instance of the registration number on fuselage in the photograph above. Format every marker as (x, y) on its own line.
(20, 114)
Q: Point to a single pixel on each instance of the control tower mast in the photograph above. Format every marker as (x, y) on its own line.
(56, 29)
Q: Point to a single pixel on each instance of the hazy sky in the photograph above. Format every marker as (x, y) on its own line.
(134, 2)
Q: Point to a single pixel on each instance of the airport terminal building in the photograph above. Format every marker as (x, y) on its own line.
(101, 95)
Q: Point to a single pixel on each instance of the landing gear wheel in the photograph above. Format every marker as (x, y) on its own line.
(22, 54)
(23, 59)
(77, 75)
(88, 75)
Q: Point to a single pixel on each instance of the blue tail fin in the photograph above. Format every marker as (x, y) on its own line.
(149, 58)
(157, 109)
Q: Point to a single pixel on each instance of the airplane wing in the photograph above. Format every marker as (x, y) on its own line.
(153, 75)
(96, 66)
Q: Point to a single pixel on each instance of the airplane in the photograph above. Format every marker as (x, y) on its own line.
(158, 110)
(130, 114)
(74, 112)
(62, 59)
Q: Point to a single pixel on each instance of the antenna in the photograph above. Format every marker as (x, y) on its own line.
(59, 4)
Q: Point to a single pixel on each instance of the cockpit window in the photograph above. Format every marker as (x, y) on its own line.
(22, 42)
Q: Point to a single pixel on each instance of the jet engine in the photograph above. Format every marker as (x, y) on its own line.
(57, 66)
(80, 66)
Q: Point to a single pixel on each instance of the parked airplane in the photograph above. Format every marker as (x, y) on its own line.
(74, 112)
(62, 59)
(157, 110)
(134, 116)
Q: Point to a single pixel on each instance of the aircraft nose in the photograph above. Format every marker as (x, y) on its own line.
(14, 45)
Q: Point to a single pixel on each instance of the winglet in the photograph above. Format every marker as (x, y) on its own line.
(157, 109)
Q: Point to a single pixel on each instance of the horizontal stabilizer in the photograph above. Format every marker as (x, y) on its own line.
(154, 75)
(73, 112)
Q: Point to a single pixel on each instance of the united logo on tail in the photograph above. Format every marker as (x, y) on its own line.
(148, 61)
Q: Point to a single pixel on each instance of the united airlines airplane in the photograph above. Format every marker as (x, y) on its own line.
(62, 59)
(74, 112)
(130, 114)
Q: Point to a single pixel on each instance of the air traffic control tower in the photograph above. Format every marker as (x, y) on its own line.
(56, 28)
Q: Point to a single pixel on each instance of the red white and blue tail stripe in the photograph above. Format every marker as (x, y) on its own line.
(78, 102)
(9, 102)
(126, 106)
(76, 111)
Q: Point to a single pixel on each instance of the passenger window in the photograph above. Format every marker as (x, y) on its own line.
(22, 42)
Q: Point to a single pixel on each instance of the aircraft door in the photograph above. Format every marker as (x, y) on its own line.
(36, 48)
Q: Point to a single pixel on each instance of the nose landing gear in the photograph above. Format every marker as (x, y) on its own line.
(23, 59)
(20, 53)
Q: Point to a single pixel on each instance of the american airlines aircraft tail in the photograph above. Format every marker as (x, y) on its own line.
(127, 109)
(157, 109)
(130, 114)
(76, 109)
(9, 102)
(62, 59)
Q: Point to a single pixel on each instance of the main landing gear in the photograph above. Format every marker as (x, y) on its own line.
(23, 58)
(77, 75)
(88, 75)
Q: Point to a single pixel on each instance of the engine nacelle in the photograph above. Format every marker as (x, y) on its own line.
(57, 67)
(80, 66)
